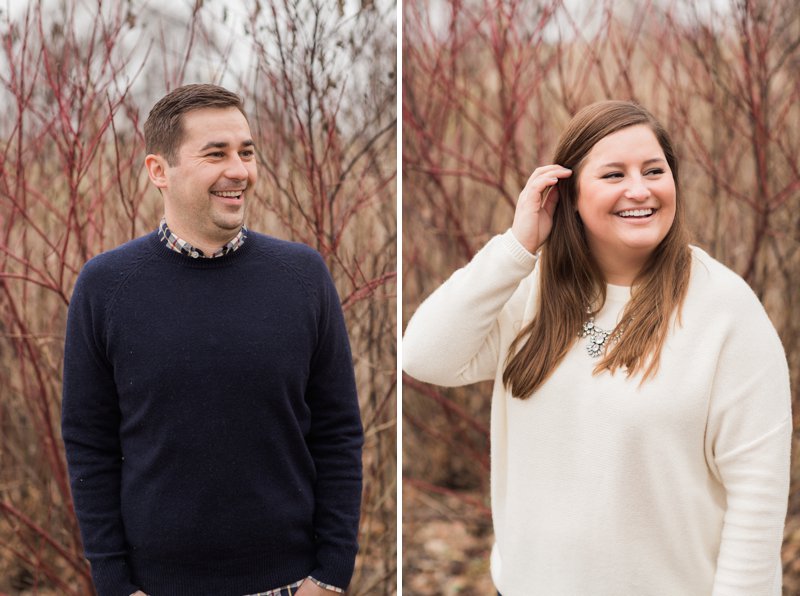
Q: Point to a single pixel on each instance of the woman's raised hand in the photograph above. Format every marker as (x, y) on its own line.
(533, 217)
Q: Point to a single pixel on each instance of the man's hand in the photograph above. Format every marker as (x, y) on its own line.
(309, 588)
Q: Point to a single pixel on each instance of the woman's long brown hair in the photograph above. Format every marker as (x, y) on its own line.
(570, 278)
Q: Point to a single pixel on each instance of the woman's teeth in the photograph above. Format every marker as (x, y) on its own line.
(635, 213)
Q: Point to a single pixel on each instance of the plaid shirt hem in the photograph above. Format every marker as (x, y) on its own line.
(180, 245)
(291, 589)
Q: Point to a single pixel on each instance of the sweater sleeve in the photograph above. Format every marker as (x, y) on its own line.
(453, 338)
(90, 429)
(335, 440)
(748, 445)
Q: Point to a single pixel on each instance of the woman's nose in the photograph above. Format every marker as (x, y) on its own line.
(637, 190)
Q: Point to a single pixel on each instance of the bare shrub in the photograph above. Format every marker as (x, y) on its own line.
(76, 83)
(487, 87)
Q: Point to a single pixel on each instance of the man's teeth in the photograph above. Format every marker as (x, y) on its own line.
(227, 193)
(635, 213)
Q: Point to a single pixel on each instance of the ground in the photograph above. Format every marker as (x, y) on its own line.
(446, 547)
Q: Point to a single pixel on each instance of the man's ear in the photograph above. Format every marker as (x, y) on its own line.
(157, 169)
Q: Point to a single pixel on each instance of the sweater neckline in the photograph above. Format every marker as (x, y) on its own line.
(616, 293)
(616, 299)
(176, 258)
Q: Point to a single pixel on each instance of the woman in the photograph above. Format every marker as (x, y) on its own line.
(641, 421)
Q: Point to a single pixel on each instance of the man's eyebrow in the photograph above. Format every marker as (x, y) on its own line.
(617, 164)
(224, 145)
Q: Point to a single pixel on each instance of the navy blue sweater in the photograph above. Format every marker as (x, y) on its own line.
(210, 420)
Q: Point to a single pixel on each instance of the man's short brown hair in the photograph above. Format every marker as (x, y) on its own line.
(163, 131)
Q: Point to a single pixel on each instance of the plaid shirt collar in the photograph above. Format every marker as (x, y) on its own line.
(179, 245)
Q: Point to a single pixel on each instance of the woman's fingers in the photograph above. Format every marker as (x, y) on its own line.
(550, 199)
(534, 212)
(553, 170)
(542, 179)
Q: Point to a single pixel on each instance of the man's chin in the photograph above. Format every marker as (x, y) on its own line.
(231, 223)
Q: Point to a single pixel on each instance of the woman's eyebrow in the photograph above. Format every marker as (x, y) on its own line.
(617, 164)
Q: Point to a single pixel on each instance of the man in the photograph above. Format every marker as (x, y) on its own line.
(209, 414)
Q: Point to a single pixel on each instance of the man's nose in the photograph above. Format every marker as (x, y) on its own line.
(236, 169)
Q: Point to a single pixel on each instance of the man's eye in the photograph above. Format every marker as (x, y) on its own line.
(216, 154)
(247, 153)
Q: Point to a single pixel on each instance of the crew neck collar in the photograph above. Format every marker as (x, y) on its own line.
(178, 258)
(618, 293)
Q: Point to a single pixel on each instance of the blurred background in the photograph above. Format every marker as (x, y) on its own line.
(487, 87)
(77, 80)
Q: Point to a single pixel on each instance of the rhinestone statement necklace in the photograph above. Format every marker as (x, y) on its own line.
(599, 339)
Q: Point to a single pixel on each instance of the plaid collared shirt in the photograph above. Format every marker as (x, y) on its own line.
(180, 245)
(291, 589)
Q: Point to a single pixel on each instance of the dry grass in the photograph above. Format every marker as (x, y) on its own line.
(76, 84)
(487, 87)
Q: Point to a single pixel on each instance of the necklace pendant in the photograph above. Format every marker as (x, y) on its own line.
(598, 338)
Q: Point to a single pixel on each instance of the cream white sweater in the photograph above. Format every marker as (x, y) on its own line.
(603, 487)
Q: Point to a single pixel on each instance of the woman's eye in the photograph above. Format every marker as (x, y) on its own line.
(613, 175)
(655, 172)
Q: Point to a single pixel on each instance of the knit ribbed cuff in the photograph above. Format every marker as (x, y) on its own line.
(112, 577)
(335, 567)
(519, 252)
